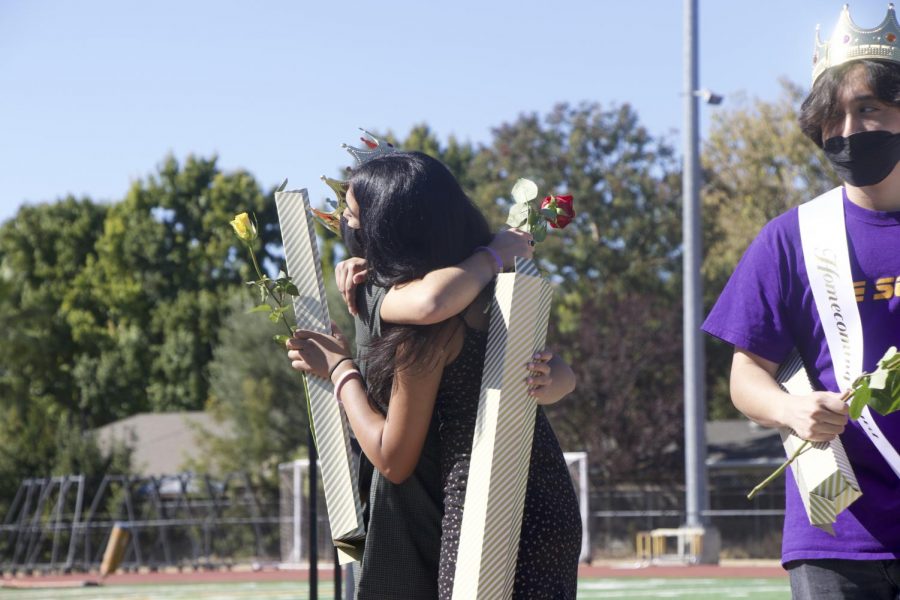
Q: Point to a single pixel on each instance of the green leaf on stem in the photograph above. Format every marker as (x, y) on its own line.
(883, 402)
(260, 308)
(281, 339)
(524, 191)
(878, 379)
(518, 214)
(539, 232)
(284, 284)
(861, 396)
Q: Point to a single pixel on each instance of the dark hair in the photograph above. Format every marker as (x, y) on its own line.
(414, 218)
(821, 106)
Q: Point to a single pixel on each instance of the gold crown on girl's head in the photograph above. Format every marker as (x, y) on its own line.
(851, 42)
(374, 148)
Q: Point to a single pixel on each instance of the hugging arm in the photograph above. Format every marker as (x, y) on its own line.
(442, 293)
(446, 292)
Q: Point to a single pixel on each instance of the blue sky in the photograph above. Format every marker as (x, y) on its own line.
(93, 94)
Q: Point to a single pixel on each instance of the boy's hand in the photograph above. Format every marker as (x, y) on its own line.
(817, 417)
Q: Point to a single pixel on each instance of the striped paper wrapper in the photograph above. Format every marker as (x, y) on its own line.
(331, 427)
(501, 445)
(823, 473)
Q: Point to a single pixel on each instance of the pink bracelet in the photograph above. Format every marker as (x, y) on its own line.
(493, 253)
(344, 378)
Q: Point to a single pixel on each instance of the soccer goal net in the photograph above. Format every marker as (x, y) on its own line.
(294, 510)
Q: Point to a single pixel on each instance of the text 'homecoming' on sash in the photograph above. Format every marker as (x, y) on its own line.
(823, 236)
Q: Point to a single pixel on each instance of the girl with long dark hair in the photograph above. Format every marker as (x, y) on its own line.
(422, 382)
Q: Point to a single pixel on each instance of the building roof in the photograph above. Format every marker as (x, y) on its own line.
(163, 443)
(740, 443)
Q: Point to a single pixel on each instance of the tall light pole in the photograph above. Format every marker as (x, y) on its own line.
(697, 496)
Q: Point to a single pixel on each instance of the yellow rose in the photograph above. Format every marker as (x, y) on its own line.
(244, 228)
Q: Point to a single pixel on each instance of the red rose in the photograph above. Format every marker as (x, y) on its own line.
(563, 206)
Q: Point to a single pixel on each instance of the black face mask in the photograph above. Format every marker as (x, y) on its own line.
(864, 158)
(352, 239)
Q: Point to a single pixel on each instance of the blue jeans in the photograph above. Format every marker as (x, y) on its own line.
(837, 579)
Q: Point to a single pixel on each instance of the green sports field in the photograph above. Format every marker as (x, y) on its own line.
(630, 588)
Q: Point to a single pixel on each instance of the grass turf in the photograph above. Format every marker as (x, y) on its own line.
(630, 588)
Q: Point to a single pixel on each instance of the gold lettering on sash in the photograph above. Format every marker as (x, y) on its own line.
(825, 263)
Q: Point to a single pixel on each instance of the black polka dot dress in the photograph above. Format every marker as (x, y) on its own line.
(550, 541)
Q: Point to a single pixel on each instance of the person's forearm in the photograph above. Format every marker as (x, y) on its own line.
(755, 392)
(441, 294)
(393, 444)
(366, 422)
(817, 416)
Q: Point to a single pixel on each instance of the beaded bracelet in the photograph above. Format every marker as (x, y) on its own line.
(344, 378)
(492, 252)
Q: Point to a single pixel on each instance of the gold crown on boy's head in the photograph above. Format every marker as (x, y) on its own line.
(851, 42)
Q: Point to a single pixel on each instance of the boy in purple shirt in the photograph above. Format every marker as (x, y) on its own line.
(768, 308)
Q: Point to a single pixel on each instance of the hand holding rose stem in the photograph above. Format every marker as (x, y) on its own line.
(879, 389)
(781, 468)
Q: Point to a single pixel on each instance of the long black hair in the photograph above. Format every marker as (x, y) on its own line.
(821, 106)
(414, 219)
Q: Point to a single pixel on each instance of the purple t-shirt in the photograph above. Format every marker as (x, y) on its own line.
(767, 308)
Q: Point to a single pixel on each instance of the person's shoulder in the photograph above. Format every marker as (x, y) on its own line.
(368, 302)
(784, 227)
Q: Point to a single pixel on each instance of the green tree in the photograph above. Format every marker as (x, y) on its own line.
(167, 263)
(42, 251)
(616, 269)
(457, 156)
(110, 310)
(616, 265)
(256, 395)
(43, 417)
(757, 164)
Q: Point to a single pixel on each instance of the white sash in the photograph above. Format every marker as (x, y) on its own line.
(823, 236)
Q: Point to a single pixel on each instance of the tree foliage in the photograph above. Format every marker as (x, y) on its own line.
(167, 263)
(107, 310)
(111, 310)
(44, 252)
(615, 265)
(256, 395)
(757, 164)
